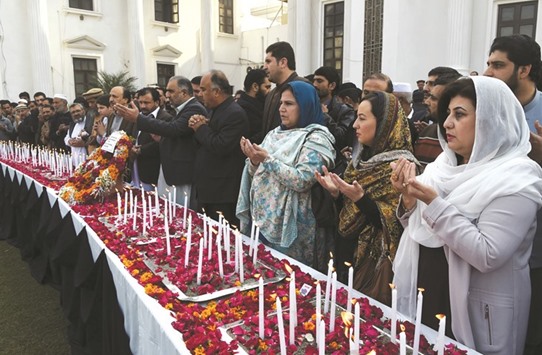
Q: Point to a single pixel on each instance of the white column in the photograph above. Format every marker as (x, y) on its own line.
(354, 12)
(459, 34)
(300, 34)
(42, 78)
(137, 43)
(207, 33)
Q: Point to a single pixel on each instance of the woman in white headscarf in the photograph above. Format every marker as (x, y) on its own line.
(479, 201)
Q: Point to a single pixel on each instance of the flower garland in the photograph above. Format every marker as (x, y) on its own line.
(96, 178)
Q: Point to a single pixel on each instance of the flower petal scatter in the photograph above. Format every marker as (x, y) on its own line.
(203, 324)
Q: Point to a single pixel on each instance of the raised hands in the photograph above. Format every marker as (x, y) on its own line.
(254, 152)
(403, 179)
(335, 185)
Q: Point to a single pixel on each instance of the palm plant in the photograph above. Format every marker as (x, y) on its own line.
(106, 81)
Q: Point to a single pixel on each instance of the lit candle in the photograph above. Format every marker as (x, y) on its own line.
(322, 338)
(261, 297)
(166, 229)
(402, 341)
(393, 328)
(356, 326)
(135, 214)
(439, 346)
(419, 306)
(293, 314)
(328, 285)
(333, 301)
(185, 210)
(119, 214)
(188, 242)
(200, 260)
(318, 308)
(280, 323)
(350, 282)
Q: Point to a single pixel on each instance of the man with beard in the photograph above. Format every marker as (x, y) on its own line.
(279, 65)
(516, 61)
(339, 117)
(252, 100)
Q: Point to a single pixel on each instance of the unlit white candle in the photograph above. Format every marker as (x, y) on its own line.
(328, 285)
(188, 242)
(318, 308)
(419, 306)
(350, 282)
(333, 302)
(185, 210)
(200, 260)
(356, 327)
(393, 327)
(280, 323)
(166, 229)
(261, 297)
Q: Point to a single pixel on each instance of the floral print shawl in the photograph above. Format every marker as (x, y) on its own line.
(276, 195)
(392, 140)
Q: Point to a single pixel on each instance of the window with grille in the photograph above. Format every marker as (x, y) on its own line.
(334, 35)
(82, 4)
(372, 46)
(517, 18)
(85, 72)
(225, 16)
(166, 11)
(165, 71)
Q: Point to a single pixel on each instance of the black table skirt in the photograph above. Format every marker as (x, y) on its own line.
(60, 257)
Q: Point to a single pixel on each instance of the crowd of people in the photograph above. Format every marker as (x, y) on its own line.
(443, 181)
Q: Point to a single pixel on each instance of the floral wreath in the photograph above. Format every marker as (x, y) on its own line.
(96, 178)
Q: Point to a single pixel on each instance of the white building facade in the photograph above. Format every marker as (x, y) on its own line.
(55, 46)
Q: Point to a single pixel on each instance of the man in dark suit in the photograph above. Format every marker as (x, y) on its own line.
(147, 150)
(119, 96)
(219, 160)
(177, 147)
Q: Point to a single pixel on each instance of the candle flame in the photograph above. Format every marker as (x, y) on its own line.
(392, 286)
(288, 268)
(372, 352)
(347, 318)
(219, 213)
(402, 328)
(421, 289)
(257, 276)
(331, 255)
(347, 264)
(440, 316)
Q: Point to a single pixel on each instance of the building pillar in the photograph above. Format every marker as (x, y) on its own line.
(459, 34)
(300, 34)
(42, 78)
(206, 33)
(354, 13)
(137, 46)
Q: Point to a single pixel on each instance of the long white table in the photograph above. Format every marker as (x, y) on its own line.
(146, 322)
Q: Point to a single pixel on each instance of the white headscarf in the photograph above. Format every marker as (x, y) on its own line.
(498, 166)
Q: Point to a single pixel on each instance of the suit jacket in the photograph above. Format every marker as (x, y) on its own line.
(219, 160)
(177, 147)
(148, 161)
(125, 126)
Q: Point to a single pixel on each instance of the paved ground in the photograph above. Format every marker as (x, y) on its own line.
(31, 320)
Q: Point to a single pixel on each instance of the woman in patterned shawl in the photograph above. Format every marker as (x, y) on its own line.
(275, 191)
(368, 200)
